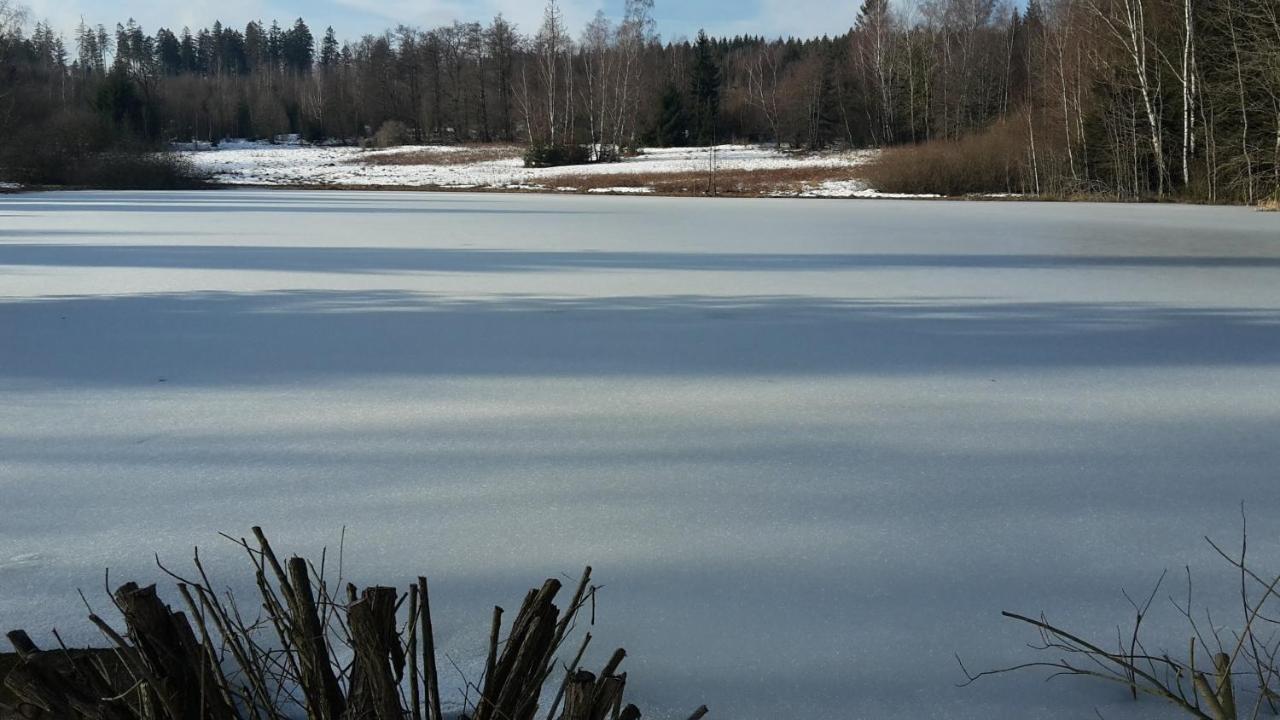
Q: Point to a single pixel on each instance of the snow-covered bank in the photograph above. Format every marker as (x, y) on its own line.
(811, 448)
(244, 163)
(850, 188)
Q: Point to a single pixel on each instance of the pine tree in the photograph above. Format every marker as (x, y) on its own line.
(123, 56)
(89, 56)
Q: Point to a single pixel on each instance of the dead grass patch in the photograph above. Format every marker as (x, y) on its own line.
(465, 155)
(744, 183)
(1272, 205)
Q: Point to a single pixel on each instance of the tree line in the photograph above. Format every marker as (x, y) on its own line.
(1127, 98)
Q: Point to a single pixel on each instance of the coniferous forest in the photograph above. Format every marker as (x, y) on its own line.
(1126, 99)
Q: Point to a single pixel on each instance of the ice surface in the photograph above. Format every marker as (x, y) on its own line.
(812, 448)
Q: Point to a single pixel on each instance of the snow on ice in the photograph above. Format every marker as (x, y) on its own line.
(812, 449)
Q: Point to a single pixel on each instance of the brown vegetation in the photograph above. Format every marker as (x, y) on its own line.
(461, 155)
(993, 161)
(745, 183)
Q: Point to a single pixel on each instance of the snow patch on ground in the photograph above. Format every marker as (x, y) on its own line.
(257, 163)
(623, 190)
(846, 189)
(876, 194)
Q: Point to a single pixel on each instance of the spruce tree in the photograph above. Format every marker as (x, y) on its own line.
(705, 90)
(672, 130)
(826, 108)
(275, 46)
(329, 50)
(255, 46)
(187, 53)
(299, 47)
(168, 52)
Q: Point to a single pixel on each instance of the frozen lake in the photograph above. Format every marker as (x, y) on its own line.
(812, 448)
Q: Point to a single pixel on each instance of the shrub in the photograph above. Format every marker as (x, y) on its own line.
(44, 155)
(78, 149)
(392, 133)
(994, 160)
(1228, 669)
(131, 169)
(741, 182)
(543, 155)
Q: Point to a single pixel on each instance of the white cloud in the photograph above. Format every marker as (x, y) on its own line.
(795, 18)
(527, 14)
(352, 18)
(408, 12)
(151, 14)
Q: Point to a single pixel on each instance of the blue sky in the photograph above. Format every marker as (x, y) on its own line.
(352, 18)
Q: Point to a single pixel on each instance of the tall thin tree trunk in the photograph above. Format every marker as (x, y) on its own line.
(1244, 108)
(1188, 112)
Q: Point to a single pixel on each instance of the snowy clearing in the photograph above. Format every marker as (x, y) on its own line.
(812, 449)
(253, 163)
